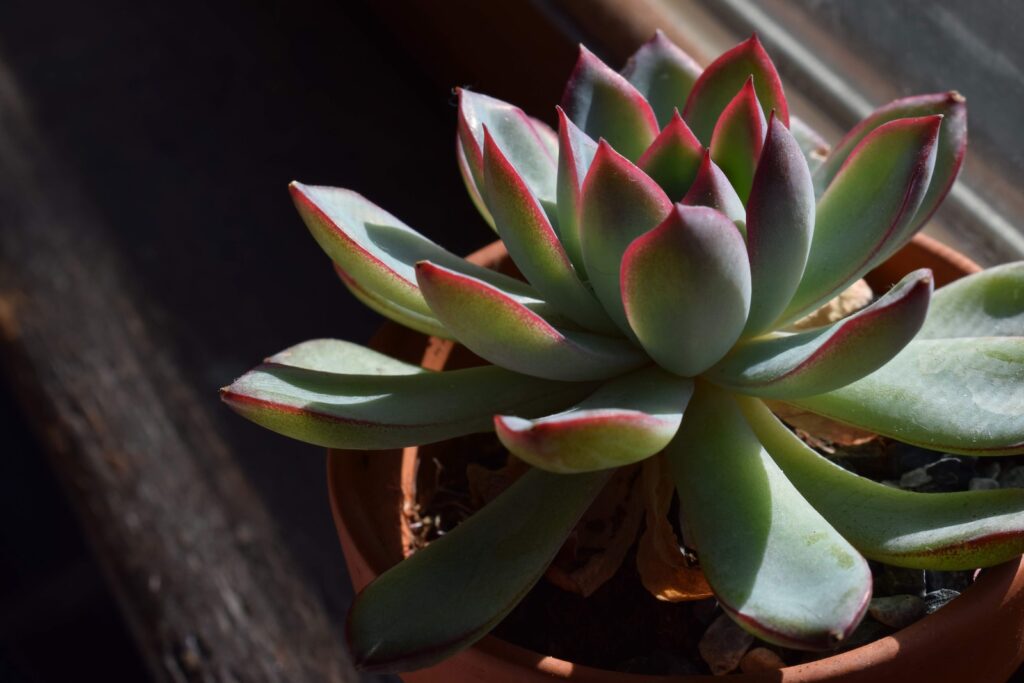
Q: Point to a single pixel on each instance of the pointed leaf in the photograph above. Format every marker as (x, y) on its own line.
(952, 395)
(946, 531)
(605, 105)
(663, 74)
(576, 151)
(527, 142)
(628, 419)
(985, 304)
(738, 137)
(951, 146)
(532, 242)
(780, 222)
(507, 333)
(673, 158)
(427, 324)
(686, 289)
(867, 212)
(712, 189)
(365, 403)
(467, 177)
(816, 361)
(776, 566)
(723, 78)
(620, 203)
(464, 583)
(378, 252)
(344, 357)
(814, 147)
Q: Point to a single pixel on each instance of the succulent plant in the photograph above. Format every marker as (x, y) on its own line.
(669, 234)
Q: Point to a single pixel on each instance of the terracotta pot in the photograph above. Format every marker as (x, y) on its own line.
(978, 637)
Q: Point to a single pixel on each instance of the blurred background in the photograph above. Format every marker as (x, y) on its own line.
(149, 254)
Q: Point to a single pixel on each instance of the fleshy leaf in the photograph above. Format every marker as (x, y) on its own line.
(427, 324)
(814, 147)
(470, 182)
(525, 141)
(724, 77)
(507, 333)
(673, 158)
(464, 583)
(532, 243)
(780, 222)
(867, 212)
(951, 146)
(366, 402)
(711, 188)
(605, 105)
(686, 289)
(664, 74)
(738, 138)
(378, 252)
(812, 362)
(946, 531)
(985, 304)
(628, 419)
(576, 152)
(951, 395)
(620, 203)
(776, 566)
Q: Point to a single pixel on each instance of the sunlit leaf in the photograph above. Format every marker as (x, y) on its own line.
(674, 158)
(985, 304)
(663, 74)
(738, 138)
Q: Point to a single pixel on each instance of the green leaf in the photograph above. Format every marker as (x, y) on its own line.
(620, 202)
(628, 419)
(794, 365)
(738, 138)
(775, 565)
(605, 105)
(366, 401)
(674, 158)
(686, 289)
(946, 531)
(663, 74)
(712, 189)
(952, 395)
(532, 243)
(507, 333)
(814, 147)
(724, 77)
(867, 212)
(453, 592)
(378, 252)
(427, 324)
(576, 152)
(780, 222)
(985, 304)
(467, 178)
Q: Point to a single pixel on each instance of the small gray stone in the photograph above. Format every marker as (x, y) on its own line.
(955, 580)
(723, 645)
(915, 478)
(892, 483)
(937, 599)
(891, 580)
(990, 468)
(761, 659)
(1012, 478)
(898, 611)
(982, 484)
(868, 632)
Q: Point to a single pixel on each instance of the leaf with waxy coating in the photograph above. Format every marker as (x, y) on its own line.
(686, 289)
(775, 564)
(367, 403)
(712, 189)
(738, 138)
(812, 362)
(378, 253)
(628, 419)
(985, 304)
(528, 144)
(619, 203)
(467, 178)
(952, 143)
(507, 333)
(576, 152)
(532, 243)
(451, 593)
(723, 78)
(663, 74)
(814, 147)
(780, 222)
(952, 395)
(674, 158)
(605, 105)
(343, 357)
(947, 531)
(427, 324)
(868, 210)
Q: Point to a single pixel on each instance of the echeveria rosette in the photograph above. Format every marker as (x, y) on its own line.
(669, 231)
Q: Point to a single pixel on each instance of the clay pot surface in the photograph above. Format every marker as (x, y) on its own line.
(978, 637)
